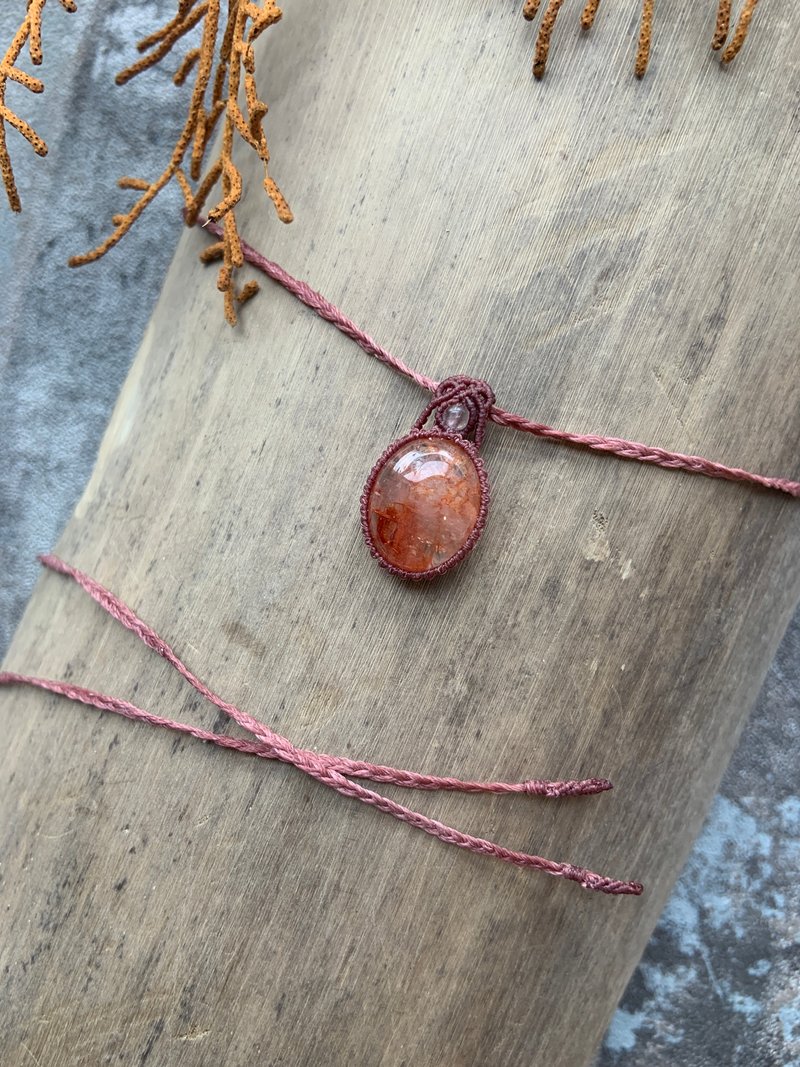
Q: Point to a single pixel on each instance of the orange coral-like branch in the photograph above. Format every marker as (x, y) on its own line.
(164, 39)
(645, 39)
(220, 72)
(589, 12)
(739, 34)
(30, 33)
(218, 76)
(237, 49)
(722, 24)
(151, 190)
(721, 28)
(545, 33)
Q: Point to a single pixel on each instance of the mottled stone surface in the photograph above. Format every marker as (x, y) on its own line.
(719, 985)
(424, 504)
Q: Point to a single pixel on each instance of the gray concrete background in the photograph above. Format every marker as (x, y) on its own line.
(720, 981)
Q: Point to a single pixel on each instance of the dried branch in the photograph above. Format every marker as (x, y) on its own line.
(545, 33)
(238, 50)
(589, 12)
(30, 32)
(721, 27)
(722, 24)
(645, 38)
(218, 73)
(739, 34)
(223, 67)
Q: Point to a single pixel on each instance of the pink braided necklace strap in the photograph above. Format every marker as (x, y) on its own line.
(332, 771)
(661, 457)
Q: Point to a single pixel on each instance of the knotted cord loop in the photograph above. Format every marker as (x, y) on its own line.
(476, 395)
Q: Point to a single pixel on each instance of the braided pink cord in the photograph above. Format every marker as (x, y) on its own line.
(615, 445)
(646, 453)
(329, 770)
(324, 308)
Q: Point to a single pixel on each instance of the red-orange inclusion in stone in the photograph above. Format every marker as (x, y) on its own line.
(424, 504)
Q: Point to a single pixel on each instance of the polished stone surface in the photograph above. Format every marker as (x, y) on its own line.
(424, 504)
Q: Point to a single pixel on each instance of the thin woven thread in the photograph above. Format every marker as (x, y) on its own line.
(617, 446)
(329, 770)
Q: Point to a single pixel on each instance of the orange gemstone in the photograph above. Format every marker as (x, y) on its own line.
(425, 504)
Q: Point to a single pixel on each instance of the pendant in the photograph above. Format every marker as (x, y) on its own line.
(426, 499)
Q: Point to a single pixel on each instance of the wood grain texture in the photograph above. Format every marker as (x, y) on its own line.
(613, 256)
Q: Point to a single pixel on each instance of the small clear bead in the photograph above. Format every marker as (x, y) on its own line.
(455, 418)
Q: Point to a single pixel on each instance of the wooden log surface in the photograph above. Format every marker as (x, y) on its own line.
(614, 257)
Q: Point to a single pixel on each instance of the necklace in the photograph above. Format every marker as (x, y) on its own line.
(429, 485)
(426, 499)
(336, 772)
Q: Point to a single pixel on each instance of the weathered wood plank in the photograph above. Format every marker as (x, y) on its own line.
(614, 257)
